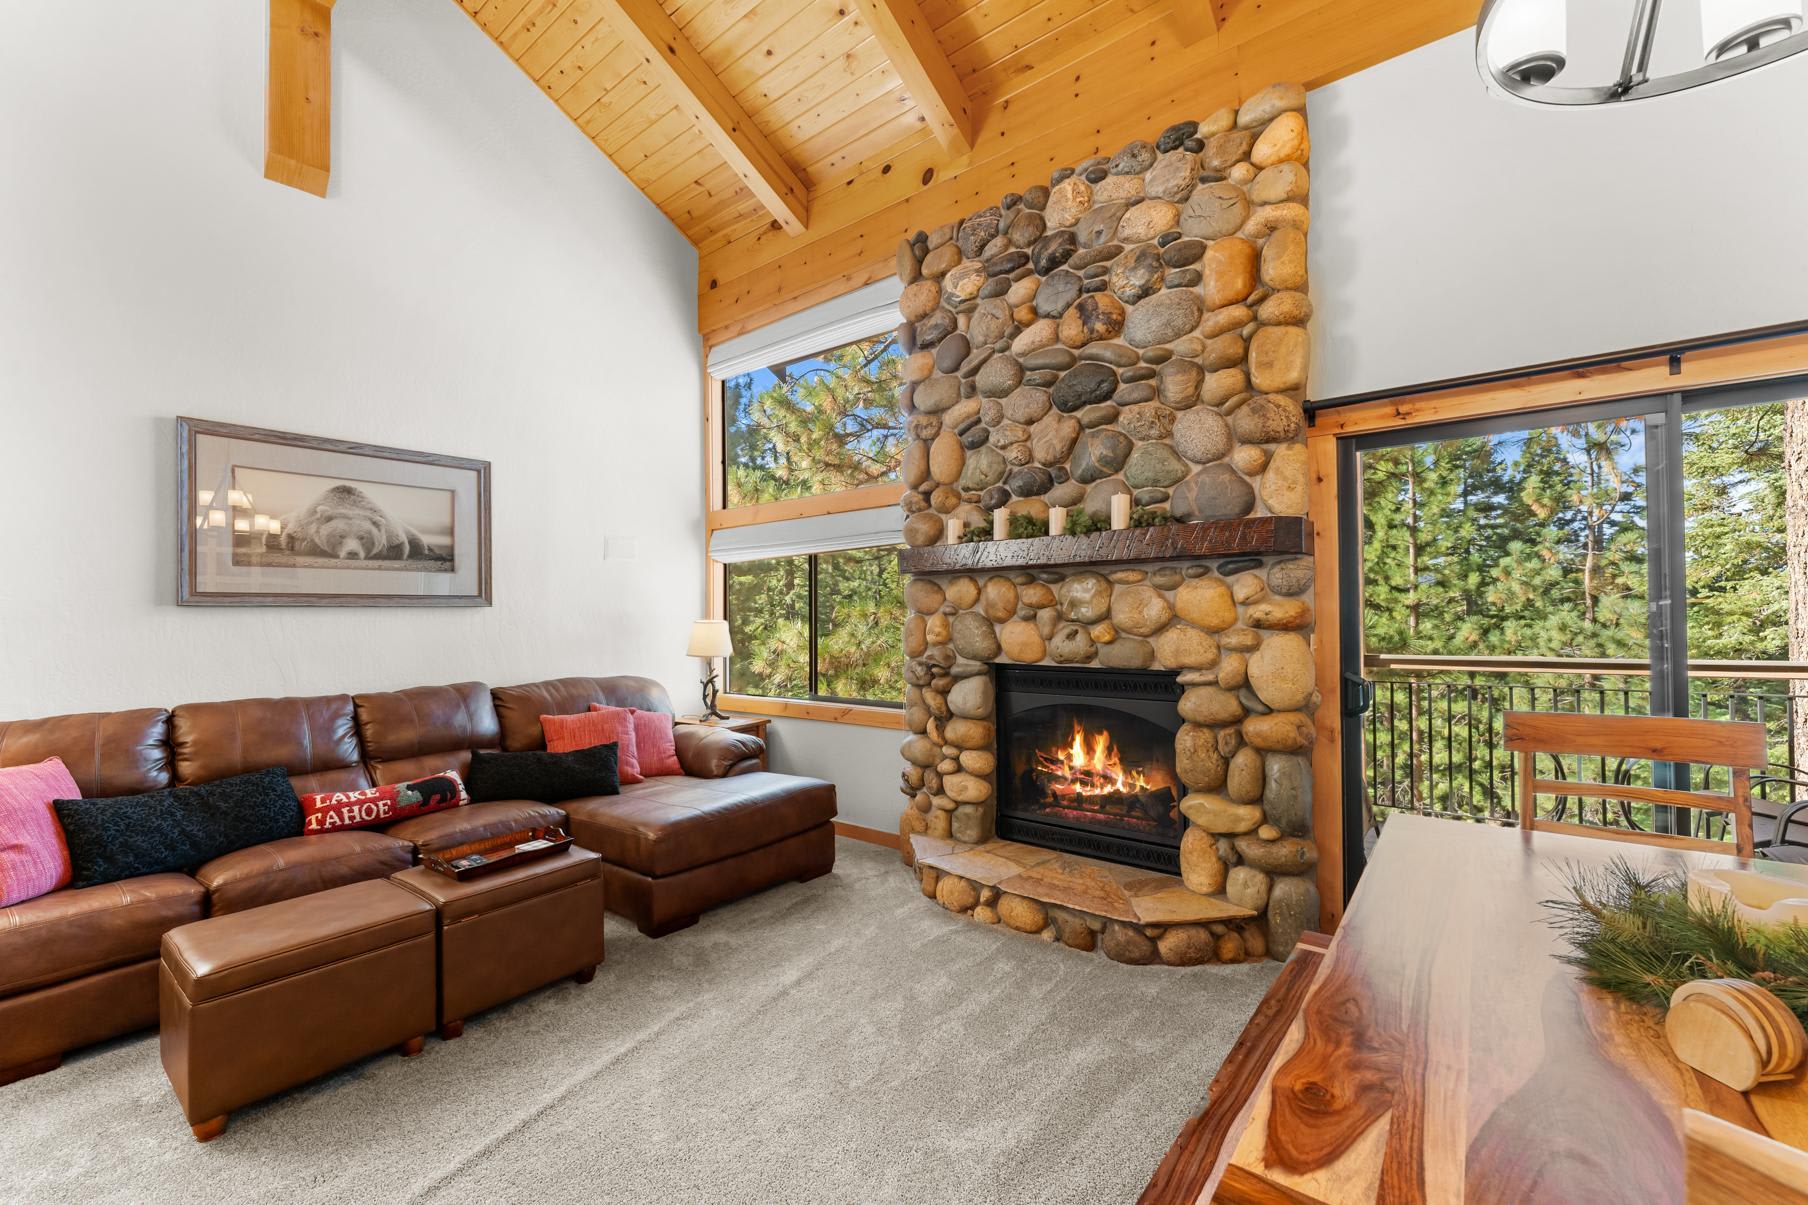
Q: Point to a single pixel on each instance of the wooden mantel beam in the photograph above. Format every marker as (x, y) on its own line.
(298, 122)
(694, 89)
(921, 63)
(1195, 19)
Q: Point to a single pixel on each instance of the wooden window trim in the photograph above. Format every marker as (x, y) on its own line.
(867, 497)
(825, 713)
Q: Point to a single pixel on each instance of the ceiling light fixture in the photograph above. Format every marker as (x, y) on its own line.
(1524, 47)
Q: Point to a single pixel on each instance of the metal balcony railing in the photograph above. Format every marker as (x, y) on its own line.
(1433, 740)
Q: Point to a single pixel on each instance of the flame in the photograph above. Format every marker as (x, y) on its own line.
(1088, 765)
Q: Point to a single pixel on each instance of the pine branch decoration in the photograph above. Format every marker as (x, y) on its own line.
(1637, 934)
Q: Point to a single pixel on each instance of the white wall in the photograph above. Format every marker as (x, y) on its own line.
(481, 281)
(862, 762)
(1455, 232)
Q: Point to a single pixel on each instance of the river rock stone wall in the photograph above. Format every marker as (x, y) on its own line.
(1238, 634)
(1137, 325)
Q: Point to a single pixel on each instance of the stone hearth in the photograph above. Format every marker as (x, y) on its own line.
(1138, 915)
(1136, 328)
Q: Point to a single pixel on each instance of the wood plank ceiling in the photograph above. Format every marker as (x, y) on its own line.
(1046, 84)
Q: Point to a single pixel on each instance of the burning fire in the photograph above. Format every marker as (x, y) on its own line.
(1088, 765)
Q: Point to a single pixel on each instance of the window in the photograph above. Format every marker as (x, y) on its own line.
(823, 626)
(804, 519)
(818, 424)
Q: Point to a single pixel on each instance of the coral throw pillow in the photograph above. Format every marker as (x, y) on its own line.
(598, 726)
(34, 860)
(332, 811)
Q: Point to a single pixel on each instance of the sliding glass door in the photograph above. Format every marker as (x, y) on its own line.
(1560, 563)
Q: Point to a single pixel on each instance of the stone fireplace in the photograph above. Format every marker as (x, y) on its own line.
(1110, 732)
(1086, 762)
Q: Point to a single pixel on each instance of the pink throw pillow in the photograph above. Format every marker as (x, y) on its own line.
(655, 750)
(34, 860)
(653, 740)
(598, 726)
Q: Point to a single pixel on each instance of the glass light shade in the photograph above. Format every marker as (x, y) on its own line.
(241, 525)
(276, 527)
(709, 638)
(1611, 51)
(260, 523)
(1733, 27)
(216, 518)
(203, 497)
(1529, 39)
(238, 498)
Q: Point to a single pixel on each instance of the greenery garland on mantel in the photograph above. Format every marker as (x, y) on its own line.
(1636, 933)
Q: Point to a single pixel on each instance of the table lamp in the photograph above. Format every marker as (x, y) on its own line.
(709, 640)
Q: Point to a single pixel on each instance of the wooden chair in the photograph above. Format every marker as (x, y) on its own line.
(1729, 1165)
(1738, 746)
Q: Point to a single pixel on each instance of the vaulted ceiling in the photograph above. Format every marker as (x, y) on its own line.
(795, 141)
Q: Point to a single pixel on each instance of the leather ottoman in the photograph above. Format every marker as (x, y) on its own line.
(255, 1002)
(674, 847)
(505, 933)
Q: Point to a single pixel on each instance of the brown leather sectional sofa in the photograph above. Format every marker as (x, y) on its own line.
(78, 967)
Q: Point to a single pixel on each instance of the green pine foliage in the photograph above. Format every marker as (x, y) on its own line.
(1082, 522)
(817, 425)
(1027, 527)
(1534, 544)
(1636, 933)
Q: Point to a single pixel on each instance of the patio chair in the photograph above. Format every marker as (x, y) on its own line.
(1780, 815)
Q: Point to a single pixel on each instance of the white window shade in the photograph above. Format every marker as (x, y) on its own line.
(864, 312)
(817, 533)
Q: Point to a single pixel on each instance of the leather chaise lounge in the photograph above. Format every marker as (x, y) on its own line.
(81, 966)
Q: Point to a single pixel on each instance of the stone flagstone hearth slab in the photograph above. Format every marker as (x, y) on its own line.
(1123, 893)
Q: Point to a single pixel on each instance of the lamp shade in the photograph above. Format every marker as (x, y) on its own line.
(709, 638)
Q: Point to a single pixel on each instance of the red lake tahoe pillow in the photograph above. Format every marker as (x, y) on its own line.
(331, 811)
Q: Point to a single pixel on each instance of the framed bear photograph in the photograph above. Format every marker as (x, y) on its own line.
(271, 518)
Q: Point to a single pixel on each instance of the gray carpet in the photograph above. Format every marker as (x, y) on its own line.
(839, 1041)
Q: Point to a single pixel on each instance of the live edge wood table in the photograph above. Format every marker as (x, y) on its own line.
(1442, 1053)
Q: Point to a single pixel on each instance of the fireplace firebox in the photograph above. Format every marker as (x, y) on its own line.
(1086, 763)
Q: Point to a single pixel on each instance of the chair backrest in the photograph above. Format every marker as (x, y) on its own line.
(1730, 1165)
(1738, 746)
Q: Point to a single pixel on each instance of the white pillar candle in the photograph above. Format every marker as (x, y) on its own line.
(1120, 512)
(1057, 520)
(1001, 524)
(952, 529)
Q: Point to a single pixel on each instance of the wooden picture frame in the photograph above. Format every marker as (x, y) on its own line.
(315, 522)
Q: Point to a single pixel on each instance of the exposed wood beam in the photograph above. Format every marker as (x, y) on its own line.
(910, 44)
(1195, 19)
(694, 89)
(298, 121)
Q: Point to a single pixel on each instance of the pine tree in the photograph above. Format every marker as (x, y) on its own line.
(1795, 476)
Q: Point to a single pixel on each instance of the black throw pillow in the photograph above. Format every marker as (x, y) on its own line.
(544, 777)
(176, 829)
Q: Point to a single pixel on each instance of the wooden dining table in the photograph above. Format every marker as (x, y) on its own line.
(1443, 1052)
